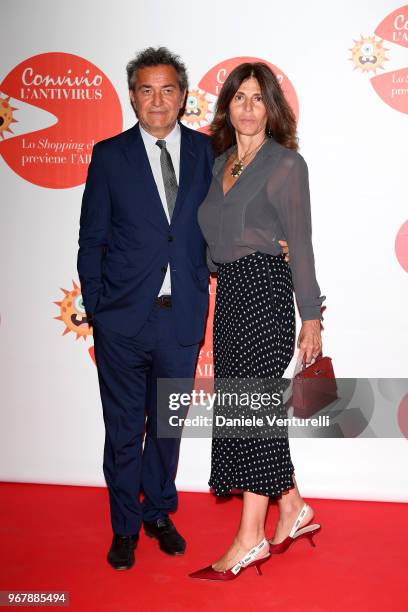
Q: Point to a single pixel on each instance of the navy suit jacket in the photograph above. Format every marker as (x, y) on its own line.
(126, 242)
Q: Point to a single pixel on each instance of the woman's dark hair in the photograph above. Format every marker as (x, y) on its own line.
(281, 123)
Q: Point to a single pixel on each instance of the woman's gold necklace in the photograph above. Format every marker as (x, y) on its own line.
(238, 167)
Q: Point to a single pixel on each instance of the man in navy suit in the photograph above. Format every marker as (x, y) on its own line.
(144, 277)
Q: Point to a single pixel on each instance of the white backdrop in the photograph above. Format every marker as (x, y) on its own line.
(355, 144)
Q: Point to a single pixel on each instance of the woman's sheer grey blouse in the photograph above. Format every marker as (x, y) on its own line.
(270, 201)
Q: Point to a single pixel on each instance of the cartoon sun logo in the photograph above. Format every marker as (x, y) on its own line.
(73, 313)
(199, 109)
(368, 54)
(6, 116)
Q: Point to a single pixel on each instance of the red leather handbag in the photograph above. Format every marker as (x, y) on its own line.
(314, 387)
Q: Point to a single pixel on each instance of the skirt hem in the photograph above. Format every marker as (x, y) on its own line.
(226, 491)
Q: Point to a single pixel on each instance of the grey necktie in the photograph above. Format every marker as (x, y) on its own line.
(169, 176)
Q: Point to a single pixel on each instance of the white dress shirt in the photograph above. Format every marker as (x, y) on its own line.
(173, 141)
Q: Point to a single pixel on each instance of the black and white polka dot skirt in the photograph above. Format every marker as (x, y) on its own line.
(254, 338)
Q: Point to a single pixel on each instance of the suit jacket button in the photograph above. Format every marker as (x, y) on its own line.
(164, 269)
(171, 238)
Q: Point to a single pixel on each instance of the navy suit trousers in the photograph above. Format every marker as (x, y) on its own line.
(128, 369)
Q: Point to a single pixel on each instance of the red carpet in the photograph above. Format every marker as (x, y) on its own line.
(56, 538)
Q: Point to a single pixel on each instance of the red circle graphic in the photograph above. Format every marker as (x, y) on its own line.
(403, 415)
(86, 108)
(401, 246)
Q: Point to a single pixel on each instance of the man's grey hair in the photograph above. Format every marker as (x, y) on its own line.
(156, 57)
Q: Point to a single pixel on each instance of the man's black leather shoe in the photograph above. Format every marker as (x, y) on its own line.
(121, 554)
(170, 541)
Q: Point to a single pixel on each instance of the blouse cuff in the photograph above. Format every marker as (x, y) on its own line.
(312, 312)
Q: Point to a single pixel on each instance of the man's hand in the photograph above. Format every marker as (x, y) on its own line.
(285, 249)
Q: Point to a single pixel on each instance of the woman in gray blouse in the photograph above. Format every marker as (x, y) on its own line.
(259, 195)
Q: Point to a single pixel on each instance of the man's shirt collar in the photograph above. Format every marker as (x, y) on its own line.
(172, 138)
